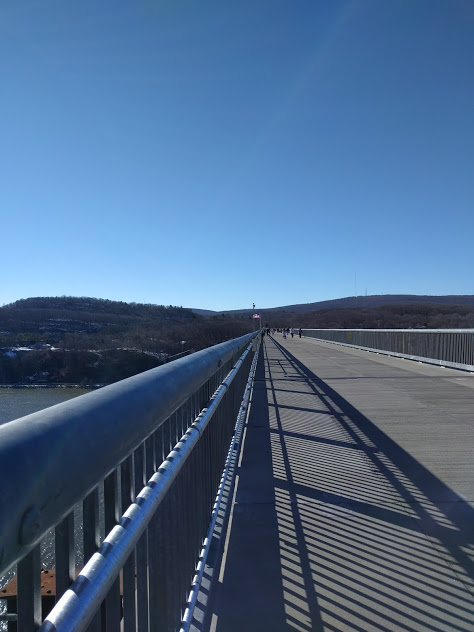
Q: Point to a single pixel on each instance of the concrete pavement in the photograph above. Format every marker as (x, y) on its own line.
(354, 500)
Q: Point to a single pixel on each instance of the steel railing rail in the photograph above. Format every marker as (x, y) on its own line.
(103, 447)
(79, 604)
(446, 347)
(52, 459)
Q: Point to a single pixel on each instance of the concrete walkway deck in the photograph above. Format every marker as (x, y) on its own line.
(353, 506)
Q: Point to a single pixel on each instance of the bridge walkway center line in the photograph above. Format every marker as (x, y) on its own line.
(351, 508)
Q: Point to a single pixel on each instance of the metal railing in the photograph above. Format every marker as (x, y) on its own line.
(445, 347)
(83, 480)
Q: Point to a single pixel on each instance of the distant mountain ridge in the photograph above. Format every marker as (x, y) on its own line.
(152, 311)
(375, 300)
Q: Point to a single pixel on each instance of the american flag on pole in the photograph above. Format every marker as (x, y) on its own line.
(256, 316)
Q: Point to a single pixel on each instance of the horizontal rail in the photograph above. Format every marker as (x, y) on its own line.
(51, 460)
(445, 347)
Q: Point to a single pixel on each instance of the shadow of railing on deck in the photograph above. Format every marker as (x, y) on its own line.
(359, 517)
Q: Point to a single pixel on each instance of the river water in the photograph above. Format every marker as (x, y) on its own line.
(18, 402)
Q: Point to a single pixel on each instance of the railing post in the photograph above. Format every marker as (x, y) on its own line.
(29, 591)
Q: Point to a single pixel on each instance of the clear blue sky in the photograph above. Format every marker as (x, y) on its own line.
(213, 154)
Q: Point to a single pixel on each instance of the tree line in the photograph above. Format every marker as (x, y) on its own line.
(384, 317)
(89, 341)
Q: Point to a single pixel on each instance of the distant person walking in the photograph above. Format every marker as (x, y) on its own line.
(299, 332)
(292, 331)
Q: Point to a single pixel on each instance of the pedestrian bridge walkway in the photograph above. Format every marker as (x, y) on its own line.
(353, 506)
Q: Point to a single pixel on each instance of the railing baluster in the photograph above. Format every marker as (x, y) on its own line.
(65, 554)
(149, 458)
(175, 542)
(91, 535)
(153, 574)
(142, 583)
(91, 523)
(112, 604)
(166, 438)
(142, 547)
(29, 591)
(188, 523)
(128, 572)
(139, 468)
(129, 595)
(159, 447)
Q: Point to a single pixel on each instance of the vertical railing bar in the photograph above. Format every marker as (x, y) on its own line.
(189, 414)
(195, 487)
(149, 471)
(64, 554)
(202, 397)
(182, 418)
(179, 434)
(91, 535)
(111, 505)
(153, 451)
(177, 427)
(161, 445)
(165, 429)
(173, 539)
(185, 523)
(162, 534)
(170, 423)
(149, 459)
(156, 448)
(126, 483)
(29, 591)
(141, 550)
(153, 572)
(139, 468)
(185, 535)
(129, 595)
(91, 523)
(174, 429)
(128, 572)
(195, 510)
(142, 582)
(112, 605)
(195, 407)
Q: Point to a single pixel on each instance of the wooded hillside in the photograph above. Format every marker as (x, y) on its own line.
(385, 317)
(88, 341)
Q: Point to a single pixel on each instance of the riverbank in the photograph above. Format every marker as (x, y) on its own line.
(90, 387)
